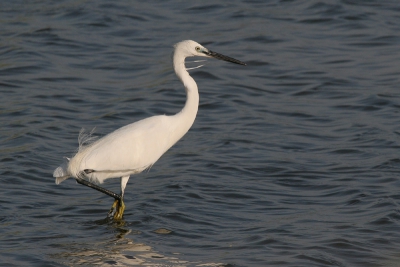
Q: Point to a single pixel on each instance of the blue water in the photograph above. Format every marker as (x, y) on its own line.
(293, 160)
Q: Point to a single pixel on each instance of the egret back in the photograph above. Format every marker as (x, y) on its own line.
(128, 150)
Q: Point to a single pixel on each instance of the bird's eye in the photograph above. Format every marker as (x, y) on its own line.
(198, 48)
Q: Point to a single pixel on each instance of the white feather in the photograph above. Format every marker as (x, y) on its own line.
(137, 146)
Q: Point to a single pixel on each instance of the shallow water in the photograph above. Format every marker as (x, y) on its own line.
(292, 161)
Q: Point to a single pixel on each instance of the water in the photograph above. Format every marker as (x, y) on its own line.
(292, 161)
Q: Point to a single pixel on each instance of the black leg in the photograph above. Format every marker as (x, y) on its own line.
(98, 188)
(118, 205)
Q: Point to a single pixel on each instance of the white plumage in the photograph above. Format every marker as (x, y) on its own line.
(137, 146)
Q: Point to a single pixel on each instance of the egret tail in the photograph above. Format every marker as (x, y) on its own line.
(61, 173)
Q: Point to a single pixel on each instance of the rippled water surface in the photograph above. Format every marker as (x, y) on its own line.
(293, 160)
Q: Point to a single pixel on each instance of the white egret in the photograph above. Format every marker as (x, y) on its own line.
(137, 146)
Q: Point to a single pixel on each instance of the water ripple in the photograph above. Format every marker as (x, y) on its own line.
(292, 160)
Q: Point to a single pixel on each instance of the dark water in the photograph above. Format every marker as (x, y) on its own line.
(292, 161)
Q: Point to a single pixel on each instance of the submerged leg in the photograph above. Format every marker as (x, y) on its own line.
(119, 205)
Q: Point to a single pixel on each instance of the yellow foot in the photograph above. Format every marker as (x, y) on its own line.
(119, 210)
(119, 207)
(114, 206)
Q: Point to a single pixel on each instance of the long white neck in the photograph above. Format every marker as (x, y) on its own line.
(185, 118)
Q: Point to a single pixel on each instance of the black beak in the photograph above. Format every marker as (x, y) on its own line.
(222, 57)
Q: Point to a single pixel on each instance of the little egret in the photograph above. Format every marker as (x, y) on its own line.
(137, 146)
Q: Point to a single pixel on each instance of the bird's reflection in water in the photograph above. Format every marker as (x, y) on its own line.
(120, 250)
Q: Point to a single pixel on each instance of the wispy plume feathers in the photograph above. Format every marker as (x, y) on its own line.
(86, 139)
(195, 61)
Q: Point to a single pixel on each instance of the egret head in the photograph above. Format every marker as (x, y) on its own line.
(189, 48)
